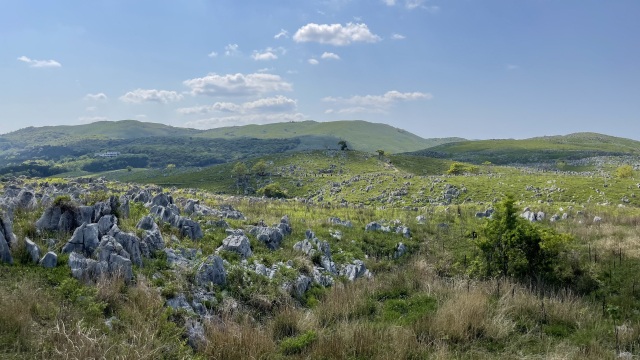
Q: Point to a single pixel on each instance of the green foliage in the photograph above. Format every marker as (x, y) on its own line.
(298, 344)
(624, 172)
(512, 246)
(120, 162)
(273, 190)
(343, 145)
(239, 170)
(259, 168)
(458, 168)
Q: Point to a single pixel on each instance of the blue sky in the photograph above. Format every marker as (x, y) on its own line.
(469, 68)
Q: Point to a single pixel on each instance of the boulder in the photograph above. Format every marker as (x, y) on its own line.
(211, 271)
(32, 250)
(85, 240)
(272, 237)
(401, 249)
(49, 260)
(106, 223)
(5, 251)
(373, 226)
(239, 244)
(304, 246)
(26, 199)
(116, 257)
(355, 270)
(131, 244)
(189, 228)
(161, 200)
(85, 269)
(301, 285)
(337, 221)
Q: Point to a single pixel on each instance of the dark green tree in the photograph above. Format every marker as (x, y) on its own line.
(343, 145)
(513, 246)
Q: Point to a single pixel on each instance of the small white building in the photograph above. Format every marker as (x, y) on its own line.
(108, 154)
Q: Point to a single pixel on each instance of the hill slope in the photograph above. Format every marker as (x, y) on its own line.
(360, 135)
(538, 149)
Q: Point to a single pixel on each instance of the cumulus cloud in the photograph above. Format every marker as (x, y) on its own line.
(398, 37)
(237, 84)
(150, 95)
(232, 49)
(40, 63)
(265, 105)
(313, 61)
(335, 34)
(96, 97)
(243, 120)
(330, 55)
(213, 54)
(264, 55)
(375, 103)
(282, 34)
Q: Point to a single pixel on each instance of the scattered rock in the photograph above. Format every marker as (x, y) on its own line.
(84, 240)
(211, 271)
(49, 260)
(239, 244)
(32, 250)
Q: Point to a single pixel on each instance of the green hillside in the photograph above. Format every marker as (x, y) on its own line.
(102, 130)
(360, 135)
(538, 149)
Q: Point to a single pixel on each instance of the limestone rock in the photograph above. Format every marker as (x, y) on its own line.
(239, 244)
(49, 260)
(211, 271)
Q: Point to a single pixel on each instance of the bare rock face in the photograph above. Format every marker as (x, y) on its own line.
(49, 260)
(239, 244)
(32, 250)
(152, 240)
(7, 238)
(85, 240)
(211, 271)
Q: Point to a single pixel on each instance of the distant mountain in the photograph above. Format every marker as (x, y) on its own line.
(101, 130)
(537, 149)
(360, 135)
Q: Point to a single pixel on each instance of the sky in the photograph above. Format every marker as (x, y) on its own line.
(477, 69)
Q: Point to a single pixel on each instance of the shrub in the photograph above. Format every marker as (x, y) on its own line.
(624, 171)
(273, 190)
(512, 246)
(296, 345)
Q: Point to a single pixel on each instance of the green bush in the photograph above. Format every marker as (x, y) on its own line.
(298, 344)
(273, 190)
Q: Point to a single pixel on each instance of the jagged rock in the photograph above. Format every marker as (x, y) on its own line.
(309, 234)
(529, 215)
(117, 258)
(64, 218)
(302, 284)
(26, 199)
(228, 212)
(85, 240)
(554, 218)
(161, 200)
(321, 279)
(404, 231)
(285, 226)
(176, 258)
(421, 219)
(355, 270)
(85, 214)
(49, 260)
(179, 302)
(305, 246)
(32, 250)
(219, 224)
(565, 216)
(239, 244)
(540, 216)
(164, 214)
(373, 226)
(236, 232)
(401, 249)
(152, 240)
(211, 271)
(124, 209)
(130, 242)
(272, 237)
(189, 228)
(7, 239)
(597, 219)
(195, 333)
(337, 221)
(143, 196)
(106, 223)
(86, 269)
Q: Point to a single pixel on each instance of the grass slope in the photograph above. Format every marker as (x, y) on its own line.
(62, 135)
(539, 149)
(360, 135)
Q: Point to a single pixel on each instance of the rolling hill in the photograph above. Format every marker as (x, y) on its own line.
(538, 149)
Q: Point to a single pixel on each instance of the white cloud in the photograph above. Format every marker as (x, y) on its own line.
(91, 119)
(313, 61)
(414, 4)
(330, 55)
(389, 2)
(264, 55)
(375, 103)
(237, 84)
(265, 70)
(150, 95)
(96, 97)
(265, 105)
(335, 34)
(213, 54)
(282, 34)
(398, 37)
(40, 63)
(232, 49)
(243, 120)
